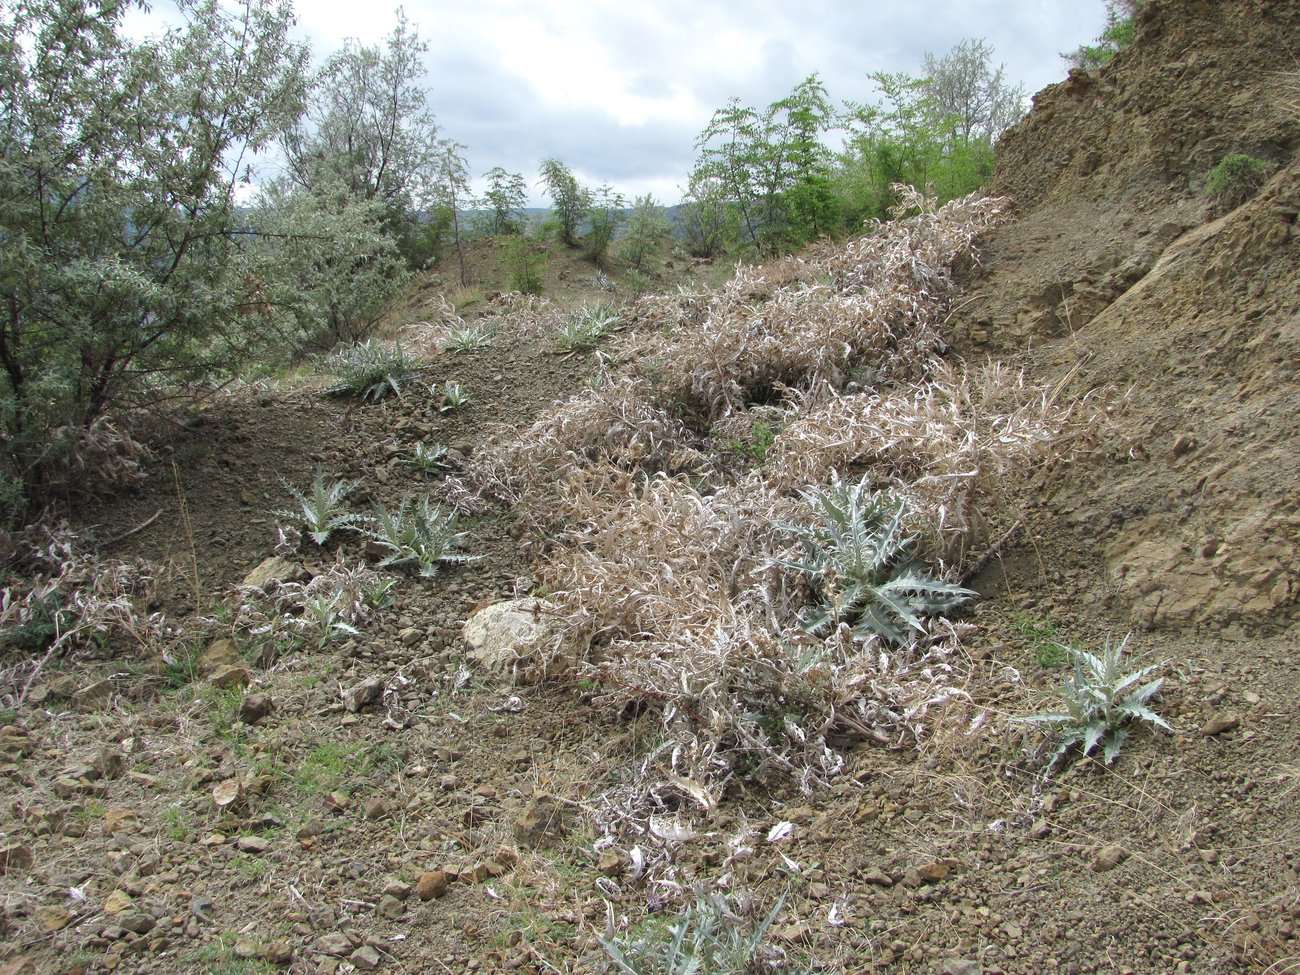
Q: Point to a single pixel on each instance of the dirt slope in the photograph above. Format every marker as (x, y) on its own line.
(1115, 273)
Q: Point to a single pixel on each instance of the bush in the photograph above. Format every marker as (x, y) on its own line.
(1100, 699)
(370, 370)
(1236, 179)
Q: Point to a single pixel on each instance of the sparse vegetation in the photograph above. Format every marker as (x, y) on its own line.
(583, 330)
(370, 370)
(322, 512)
(1236, 179)
(863, 568)
(429, 459)
(420, 534)
(1100, 701)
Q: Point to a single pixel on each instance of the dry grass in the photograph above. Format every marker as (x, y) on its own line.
(665, 558)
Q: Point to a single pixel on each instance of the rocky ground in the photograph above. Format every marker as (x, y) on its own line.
(376, 804)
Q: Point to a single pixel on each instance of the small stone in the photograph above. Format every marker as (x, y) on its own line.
(138, 923)
(369, 691)
(279, 953)
(14, 857)
(397, 888)
(256, 845)
(610, 863)
(337, 802)
(390, 907)
(432, 883)
(247, 949)
(334, 943)
(94, 694)
(934, 871)
(1219, 724)
(230, 676)
(227, 792)
(108, 763)
(961, 966)
(376, 808)
(120, 821)
(410, 636)
(1108, 858)
(877, 877)
(273, 569)
(52, 919)
(220, 653)
(65, 787)
(255, 707)
(365, 958)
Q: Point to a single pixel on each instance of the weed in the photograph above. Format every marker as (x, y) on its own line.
(177, 822)
(370, 370)
(1236, 179)
(1100, 699)
(862, 568)
(420, 534)
(323, 512)
(754, 448)
(429, 460)
(585, 328)
(711, 936)
(329, 765)
(322, 619)
(469, 338)
(1044, 640)
(452, 396)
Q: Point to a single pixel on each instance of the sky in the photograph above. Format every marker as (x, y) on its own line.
(619, 91)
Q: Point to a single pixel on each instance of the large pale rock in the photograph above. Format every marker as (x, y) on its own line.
(517, 637)
(274, 569)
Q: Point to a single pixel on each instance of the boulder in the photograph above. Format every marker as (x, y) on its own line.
(517, 637)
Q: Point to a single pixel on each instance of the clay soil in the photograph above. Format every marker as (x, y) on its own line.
(443, 830)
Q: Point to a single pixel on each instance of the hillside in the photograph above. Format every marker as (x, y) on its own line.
(314, 772)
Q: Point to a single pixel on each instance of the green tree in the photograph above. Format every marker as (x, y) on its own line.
(772, 168)
(504, 202)
(1121, 26)
(326, 264)
(708, 220)
(645, 227)
(604, 217)
(451, 195)
(569, 200)
(121, 265)
(369, 128)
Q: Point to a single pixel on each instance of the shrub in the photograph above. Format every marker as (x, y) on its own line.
(370, 370)
(712, 936)
(1100, 699)
(1236, 179)
(862, 567)
(419, 534)
(322, 512)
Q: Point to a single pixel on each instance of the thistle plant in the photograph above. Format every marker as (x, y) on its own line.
(370, 370)
(322, 512)
(418, 534)
(1100, 699)
(429, 460)
(469, 338)
(585, 328)
(451, 397)
(323, 618)
(711, 936)
(863, 569)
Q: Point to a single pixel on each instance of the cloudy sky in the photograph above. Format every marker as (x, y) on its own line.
(619, 91)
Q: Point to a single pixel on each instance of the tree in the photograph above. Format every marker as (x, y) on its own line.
(504, 201)
(1121, 26)
(369, 128)
(646, 227)
(605, 215)
(974, 98)
(452, 194)
(708, 220)
(569, 200)
(326, 265)
(772, 167)
(121, 264)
